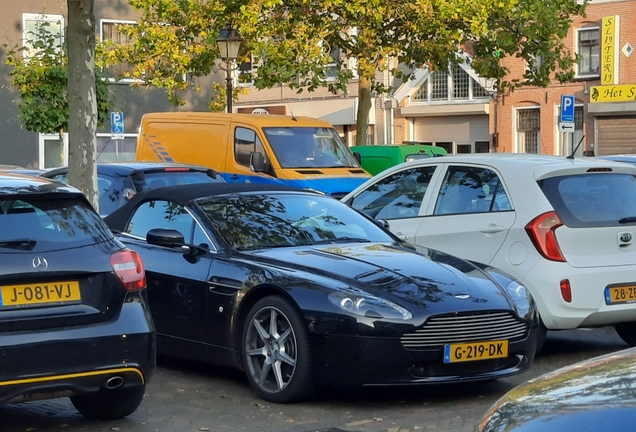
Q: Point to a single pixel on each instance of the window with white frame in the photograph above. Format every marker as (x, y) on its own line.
(461, 83)
(439, 85)
(114, 31)
(528, 130)
(331, 71)
(37, 26)
(589, 51)
(455, 84)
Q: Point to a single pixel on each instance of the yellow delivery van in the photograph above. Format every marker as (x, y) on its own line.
(296, 151)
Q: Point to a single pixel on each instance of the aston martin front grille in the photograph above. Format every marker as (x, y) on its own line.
(440, 330)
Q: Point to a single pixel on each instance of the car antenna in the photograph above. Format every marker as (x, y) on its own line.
(577, 147)
(293, 116)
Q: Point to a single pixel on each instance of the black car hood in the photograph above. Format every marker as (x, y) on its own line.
(422, 277)
(595, 395)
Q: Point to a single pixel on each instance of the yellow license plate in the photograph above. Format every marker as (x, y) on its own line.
(38, 294)
(620, 294)
(455, 353)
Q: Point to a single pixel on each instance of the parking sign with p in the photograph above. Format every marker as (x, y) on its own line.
(116, 122)
(567, 108)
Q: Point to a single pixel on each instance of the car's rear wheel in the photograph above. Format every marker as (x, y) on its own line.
(109, 404)
(275, 351)
(627, 332)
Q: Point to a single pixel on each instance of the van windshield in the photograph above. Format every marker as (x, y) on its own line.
(309, 147)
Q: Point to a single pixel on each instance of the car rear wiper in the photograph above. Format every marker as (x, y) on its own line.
(628, 219)
(23, 244)
(342, 240)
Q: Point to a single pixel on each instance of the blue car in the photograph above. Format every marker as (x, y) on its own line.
(118, 182)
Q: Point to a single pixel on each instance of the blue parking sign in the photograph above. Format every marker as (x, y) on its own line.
(567, 108)
(116, 122)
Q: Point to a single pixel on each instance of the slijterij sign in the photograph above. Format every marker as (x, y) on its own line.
(609, 43)
(613, 93)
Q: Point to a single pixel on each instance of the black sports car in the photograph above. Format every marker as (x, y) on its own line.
(300, 291)
(117, 182)
(74, 319)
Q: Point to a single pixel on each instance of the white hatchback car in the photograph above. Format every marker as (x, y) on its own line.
(562, 227)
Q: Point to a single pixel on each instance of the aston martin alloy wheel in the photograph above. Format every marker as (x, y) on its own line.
(276, 351)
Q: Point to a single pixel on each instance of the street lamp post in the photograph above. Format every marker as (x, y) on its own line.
(229, 42)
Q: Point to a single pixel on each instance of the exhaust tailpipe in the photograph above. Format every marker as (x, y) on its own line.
(114, 382)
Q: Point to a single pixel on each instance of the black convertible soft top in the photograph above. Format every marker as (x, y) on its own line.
(184, 194)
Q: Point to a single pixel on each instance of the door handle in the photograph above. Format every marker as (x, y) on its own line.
(233, 177)
(491, 229)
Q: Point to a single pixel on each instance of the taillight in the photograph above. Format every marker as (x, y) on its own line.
(541, 232)
(129, 268)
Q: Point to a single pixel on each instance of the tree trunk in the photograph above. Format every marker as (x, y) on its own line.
(364, 107)
(82, 98)
(60, 137)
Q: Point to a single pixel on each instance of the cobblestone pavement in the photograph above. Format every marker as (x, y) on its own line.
(184, 397)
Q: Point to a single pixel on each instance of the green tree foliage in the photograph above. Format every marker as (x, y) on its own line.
(41, 79)
(292, 41)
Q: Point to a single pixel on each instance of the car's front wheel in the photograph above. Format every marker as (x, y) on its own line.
(275, 351)
(627, 332)
(109, 404)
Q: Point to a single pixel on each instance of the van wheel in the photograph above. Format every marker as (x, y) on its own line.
(275, 351)
(109, 404)
(627, 332)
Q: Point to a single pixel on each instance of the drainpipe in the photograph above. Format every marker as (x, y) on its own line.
(393, 105)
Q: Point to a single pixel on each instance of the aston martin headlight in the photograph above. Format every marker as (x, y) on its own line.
(523, 300)
(367, 305)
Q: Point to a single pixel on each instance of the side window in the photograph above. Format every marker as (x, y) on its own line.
(471, 190)
(397, 196)
(246, 142)
(161, 214)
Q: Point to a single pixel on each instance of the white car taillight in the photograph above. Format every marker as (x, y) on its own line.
(129, 268)
(541, 232)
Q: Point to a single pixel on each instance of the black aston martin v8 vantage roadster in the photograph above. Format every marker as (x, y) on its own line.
(301, 291)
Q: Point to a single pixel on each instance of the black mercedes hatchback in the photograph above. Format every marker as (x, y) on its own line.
(74, 320)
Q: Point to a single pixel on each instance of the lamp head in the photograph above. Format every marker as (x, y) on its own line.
(229, 43)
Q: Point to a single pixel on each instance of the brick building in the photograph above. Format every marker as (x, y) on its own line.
(527, 120)
(459, 111)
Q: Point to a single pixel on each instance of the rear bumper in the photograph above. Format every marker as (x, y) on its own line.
(78, 360)
(52, 386)
(588, 307)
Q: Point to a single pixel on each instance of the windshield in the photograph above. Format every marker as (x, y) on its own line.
(309, 147)
(282, 220)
